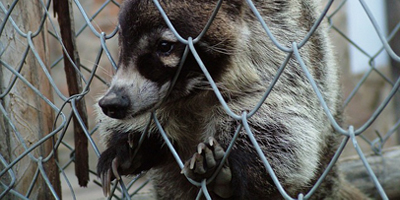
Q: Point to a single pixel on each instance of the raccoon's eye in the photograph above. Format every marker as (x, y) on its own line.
(165, 47)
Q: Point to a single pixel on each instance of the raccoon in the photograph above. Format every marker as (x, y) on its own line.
(153, 79)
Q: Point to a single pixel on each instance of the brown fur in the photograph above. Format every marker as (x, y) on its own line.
(290, 126)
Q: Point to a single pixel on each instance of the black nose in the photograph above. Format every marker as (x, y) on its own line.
(115, 105)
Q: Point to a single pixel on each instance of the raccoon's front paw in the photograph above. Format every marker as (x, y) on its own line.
(204, 163)
(113, 163)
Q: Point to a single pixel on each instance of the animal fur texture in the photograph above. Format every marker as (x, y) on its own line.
(290, 126)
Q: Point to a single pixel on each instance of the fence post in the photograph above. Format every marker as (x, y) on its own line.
(31, 116)
(63, 9)
(393, 17)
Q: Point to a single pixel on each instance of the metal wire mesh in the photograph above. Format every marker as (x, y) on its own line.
(95, 78)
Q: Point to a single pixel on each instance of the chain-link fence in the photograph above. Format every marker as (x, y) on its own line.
(50, 80)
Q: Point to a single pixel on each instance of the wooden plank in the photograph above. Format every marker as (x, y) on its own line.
(33, 118)
(385, 166)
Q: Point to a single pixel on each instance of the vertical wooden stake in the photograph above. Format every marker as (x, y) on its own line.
(65, 19)
(393, 18)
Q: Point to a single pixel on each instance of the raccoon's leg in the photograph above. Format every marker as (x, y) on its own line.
(120, 159)
(203, 164)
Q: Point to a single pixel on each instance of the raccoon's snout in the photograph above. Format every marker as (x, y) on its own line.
(115, 105)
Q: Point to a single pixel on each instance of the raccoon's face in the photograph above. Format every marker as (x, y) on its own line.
(150, 54)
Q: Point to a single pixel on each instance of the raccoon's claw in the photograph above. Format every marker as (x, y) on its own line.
(204, 162)
(108, 168)
(198, 161)
(106, 182)
(114, 168)
(107, 176)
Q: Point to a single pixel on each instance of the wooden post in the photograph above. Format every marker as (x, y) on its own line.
(32, 117)
(63, 9)
(393, 18)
